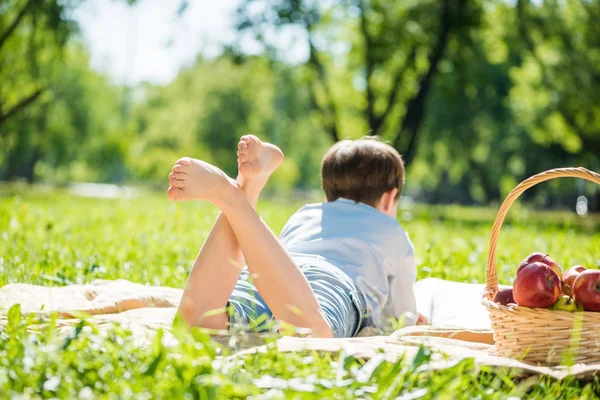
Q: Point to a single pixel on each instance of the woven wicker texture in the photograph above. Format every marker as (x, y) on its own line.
(540, 335)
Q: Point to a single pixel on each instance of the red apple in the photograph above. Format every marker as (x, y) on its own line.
(569, 277)
(540, 257)
(504, 297)
(536, 286)
(586, 290)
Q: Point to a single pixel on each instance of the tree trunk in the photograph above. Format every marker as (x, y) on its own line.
(594, 202)
(29, 168)
(369, 68)
(329, 110)
(416, 107)
(490, 189)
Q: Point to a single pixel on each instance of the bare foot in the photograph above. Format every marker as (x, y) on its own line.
(192, 179)
(257, 160)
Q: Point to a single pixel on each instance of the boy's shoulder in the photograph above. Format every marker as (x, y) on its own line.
(348, 210)
(343, 219)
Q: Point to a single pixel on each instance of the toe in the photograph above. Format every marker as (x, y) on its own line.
(252, 138)
(173, 193)
(180, 168)
(242, 158)
(184, 161)
(242, 146)
(175, 183)
(180, 176)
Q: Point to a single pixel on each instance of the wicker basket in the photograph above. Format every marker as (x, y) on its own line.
(533, 334)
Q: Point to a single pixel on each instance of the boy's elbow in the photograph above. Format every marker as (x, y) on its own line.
(323, 330)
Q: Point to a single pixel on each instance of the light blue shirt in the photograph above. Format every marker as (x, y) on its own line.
(366, 244)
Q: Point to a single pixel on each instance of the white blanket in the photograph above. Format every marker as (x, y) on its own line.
(459, 329)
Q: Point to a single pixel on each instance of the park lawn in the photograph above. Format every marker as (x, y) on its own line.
(51, 238)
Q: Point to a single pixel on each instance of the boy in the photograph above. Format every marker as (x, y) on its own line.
(339, 266)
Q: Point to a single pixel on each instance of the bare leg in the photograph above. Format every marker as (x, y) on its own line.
(218, 265)
(280, 282)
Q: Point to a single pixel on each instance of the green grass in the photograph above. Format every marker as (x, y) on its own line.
(55, 239)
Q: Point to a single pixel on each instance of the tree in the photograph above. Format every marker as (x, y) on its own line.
(558, 82)
(561, 41)
(495, 121)
(32, 35)
(395, 52)
(206, 109)
(75, 133)
(46, 91)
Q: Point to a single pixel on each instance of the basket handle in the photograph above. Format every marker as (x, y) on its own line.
(491, 279)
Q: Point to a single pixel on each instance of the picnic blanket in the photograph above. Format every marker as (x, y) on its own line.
(460, 327)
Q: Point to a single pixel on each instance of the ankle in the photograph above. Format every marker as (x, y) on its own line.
(250, 187)
(252, 190)
(229, 195)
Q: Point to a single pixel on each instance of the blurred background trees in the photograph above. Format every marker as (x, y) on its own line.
(477, 95)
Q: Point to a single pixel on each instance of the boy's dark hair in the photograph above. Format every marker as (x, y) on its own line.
(362, 170)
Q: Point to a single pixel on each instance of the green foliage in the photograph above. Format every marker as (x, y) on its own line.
(208, 107)
(556, 88)
(371, 64)
(32, 36)
(59, 119)
(53, 238)
(60, 239)
(477, 95)
(73, 132)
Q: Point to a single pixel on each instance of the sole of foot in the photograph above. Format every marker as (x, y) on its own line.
(192, 179)
(257, 159)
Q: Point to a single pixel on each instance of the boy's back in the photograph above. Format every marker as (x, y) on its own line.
(367, 245)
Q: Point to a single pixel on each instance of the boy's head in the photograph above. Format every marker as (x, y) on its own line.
(367, 170)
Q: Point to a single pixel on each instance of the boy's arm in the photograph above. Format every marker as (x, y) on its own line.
(402, 300)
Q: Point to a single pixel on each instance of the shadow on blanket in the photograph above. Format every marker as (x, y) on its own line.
(459, 323)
